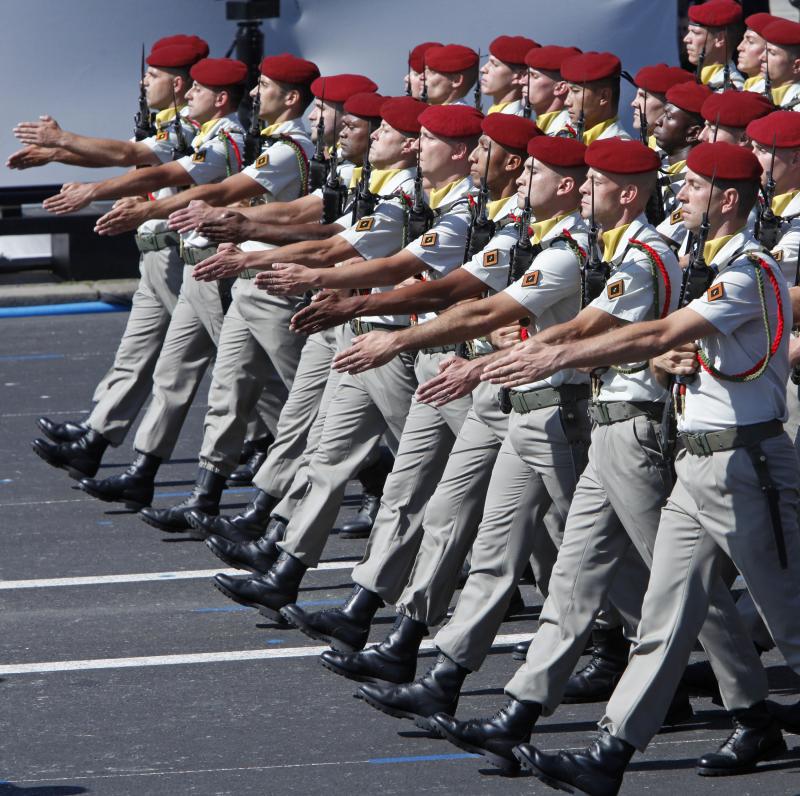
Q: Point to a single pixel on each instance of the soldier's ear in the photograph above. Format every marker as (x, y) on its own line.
(513, 163)
(457, 79)
(604, 95)
(693, 133)
(730, 201)
(292, 99)
(566, 185)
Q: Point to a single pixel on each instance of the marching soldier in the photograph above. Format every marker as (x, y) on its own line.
(780, 60)
(710, 45)
(750, 50)
(546, 89)
(450, 72)
(504, 73)
(652, 84)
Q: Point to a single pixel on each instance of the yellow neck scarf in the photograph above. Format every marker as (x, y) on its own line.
(611, 240)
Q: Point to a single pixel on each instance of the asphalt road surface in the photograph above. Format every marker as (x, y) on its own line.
(123, 671)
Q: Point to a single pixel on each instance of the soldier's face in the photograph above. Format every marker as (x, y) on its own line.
(671, 128)
(591, 100)
(416, 80)
(724, 135)
(786, 161)
(749, 52)
(435, 155)
(478, 158)
(497, 77)
(440, 86)
(651, 104)
(537, 181)
(783, 66)
(331, 113)
(203, 102)
(271, 98)
(353, 137)
(695, 39)
(541, 88)
(158, 88)
(607, 193)
(693, 197)
(387, 145)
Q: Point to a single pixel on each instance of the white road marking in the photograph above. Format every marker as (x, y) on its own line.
(199, 657)
(188, 574)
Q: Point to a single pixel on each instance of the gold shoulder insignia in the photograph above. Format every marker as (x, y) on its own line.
(162, 135)
(365, 224)
(676, 217)
(262, 160)
(429, 239)
(615, 289)
(531, 279)
(777, 255)
(716, 292)
(490, 259)
(199, 157)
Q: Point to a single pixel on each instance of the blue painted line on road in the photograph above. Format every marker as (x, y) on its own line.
(245, 491)
(275, 641)
(30, 357)
(420, 758)
(104, 522)
(77, 308)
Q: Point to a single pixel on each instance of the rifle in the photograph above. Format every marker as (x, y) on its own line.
(596, 272)
(424, 93)
(655, 210)
(481, 230)
(581, 123)
(476, 92)
(419, 217)
(726, 70)
(365, 201)
(768, 226)
(408, 79)
(143, 120)
(521, 257)
(701, 59)
(527, 108)
(252, 139)
(183, 149)
(334, 194)
(767, 78)
(318, 165)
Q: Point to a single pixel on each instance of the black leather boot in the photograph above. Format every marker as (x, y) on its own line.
(247, 470)
(134, 487)
(205, 496)
(394, 660)
(258, 556)
(700, 681)
(346, 629)
(520, 651)
(436, 692)
(596, 681)
(81, 459)
(597, 771)
(372, 478)
(246, 526)
(755, 737)
(495, 737)
(268, 593)
(61, 432)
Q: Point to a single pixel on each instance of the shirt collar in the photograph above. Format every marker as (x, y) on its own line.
(719, 251)
(780, 203)
(708, 73)
(593, 133)
(453, 190)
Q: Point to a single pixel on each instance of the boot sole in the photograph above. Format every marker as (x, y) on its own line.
(71, 471)
(268, 612)
(775, 751)
(356, 678)
(189, 532)
(551, 782)
(335, 643)
(129, 504)
(397, 714)
(232, 562)
(508, 767)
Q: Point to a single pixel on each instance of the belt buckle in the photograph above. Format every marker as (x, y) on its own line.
(601, 411)
(697, 444)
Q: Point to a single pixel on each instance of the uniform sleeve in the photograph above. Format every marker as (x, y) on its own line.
(441, 248)
(787, 251)
(731, 301)
(276, 169)
(491, 264)
(380, 234)
(672, 227)
(161, 145)
(628, 294)
(554, 275)
(214, 161)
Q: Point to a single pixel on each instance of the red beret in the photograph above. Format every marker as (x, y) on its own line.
(511, 132)
(716, 13)
(550, 57)
(452, 121)
(403, 113)
(658, 78)
(338, 88)
(558, 151)
(287, 68)
(451, 58)
(366, 104)
(735, 108)
(782, 127)
(725, 161)
(216, 72)
(759, 21)
(587, 67)
(620, 156)
(782, 32)
(689, 96)
(200, 45)
(416, 58)
(512, 49)
(173, 56)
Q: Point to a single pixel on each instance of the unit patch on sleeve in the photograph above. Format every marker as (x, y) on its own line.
(716, 292)
(429, 239)
(365, 224)
(490, 259)
(199, 157)
(262, 160)
(777, 255)
(615, 289)
(162, 135)
(531, 279)
(676, 217)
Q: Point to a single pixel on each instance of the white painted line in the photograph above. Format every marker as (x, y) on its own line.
(200, 657)
(189, 574)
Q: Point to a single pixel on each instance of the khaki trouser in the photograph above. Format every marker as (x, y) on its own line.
(189, 347)
(425, 448)
(612, 529)
(124, 390)
(716, 510)
(364, 408)
(536, 468)
(255, 343)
